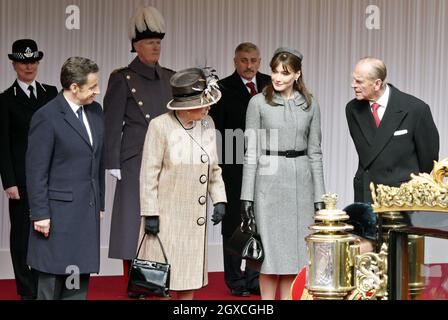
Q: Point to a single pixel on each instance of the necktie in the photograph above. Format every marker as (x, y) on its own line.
(81, 117)
(376, 118)
(32, 95)
(251, 86)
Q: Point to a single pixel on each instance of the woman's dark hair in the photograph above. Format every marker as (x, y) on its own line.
(291, 63)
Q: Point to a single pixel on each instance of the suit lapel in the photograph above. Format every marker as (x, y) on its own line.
(72, 120)
(393, 117)
(91, 118)
(240, 86)
(41, 94)
(365, 121)
(260, 83)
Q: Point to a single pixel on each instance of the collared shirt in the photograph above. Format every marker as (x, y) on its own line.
(382, 101)
(24, 86)
(75, 108)
(254, 80)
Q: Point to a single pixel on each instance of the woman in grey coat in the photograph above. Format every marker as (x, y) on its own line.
(283, 174)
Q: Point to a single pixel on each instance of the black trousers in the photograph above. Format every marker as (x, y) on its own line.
(62, 287)
(19, 215)
(234, 277)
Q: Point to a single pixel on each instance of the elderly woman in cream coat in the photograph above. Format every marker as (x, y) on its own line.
(179, 172)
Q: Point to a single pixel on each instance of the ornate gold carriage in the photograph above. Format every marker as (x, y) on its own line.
(396, 270)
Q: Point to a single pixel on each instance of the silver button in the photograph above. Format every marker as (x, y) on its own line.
(140, 103)
(202, 200)
(128, 77)
(201, 221)
(203, 179)
(147, 116)
(133, 90)
(204, 158)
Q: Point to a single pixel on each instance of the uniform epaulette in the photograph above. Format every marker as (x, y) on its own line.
(120, 70)
(167, 69)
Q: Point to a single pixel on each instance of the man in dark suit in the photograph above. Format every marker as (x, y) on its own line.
(393, 132)
(229, 116)
(65, 179)
(135, 95)
(17, 105)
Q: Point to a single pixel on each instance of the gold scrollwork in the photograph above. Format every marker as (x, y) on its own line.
(371, 275)
(423, 192)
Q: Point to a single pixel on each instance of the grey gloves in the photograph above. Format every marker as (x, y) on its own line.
(218, 213)
(152, 225)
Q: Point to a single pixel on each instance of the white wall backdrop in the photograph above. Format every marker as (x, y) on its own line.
(332, 34)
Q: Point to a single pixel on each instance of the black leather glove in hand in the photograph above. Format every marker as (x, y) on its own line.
(152, 225)
(247, 210)
(218, 213)
(319, 206)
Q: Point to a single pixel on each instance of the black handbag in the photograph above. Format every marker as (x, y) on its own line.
(245, 242)
(149, 278)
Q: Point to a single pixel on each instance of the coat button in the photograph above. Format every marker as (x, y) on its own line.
(128, 77)
(147, 116)
(203, 179)
(202, 200)
(140, 103)
(133, 90)
(91, 204)
(204, 158)
(201, 221)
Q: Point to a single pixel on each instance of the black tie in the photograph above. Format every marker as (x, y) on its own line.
(32, 95)
(81, 118)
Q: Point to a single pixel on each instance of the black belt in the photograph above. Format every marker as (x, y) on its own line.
(287, 154)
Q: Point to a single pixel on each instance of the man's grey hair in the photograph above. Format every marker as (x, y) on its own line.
(378, 69)
(247, 47)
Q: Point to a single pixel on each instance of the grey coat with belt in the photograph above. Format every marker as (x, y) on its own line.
(134, 96)
(283, 189)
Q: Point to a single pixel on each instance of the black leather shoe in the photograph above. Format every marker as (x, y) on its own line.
(255, 291)
(27, 298)
(239, 292)
(136, 295)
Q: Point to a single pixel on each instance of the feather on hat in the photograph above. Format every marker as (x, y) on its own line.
(147, 22)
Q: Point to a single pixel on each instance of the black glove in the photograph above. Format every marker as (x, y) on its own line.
(152, 225)
(319, 206)
(247, 210)
(218, 213)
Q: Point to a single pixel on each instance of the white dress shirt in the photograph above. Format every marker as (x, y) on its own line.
(24, 86)
(254, 80)
(75, 108)
(382, 101)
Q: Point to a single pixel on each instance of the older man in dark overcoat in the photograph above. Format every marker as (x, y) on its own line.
(393, 132)
(230, 119)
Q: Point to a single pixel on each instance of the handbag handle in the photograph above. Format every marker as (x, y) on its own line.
(161, 246)
(250, 226)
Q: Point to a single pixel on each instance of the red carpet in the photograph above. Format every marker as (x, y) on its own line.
(114, 288)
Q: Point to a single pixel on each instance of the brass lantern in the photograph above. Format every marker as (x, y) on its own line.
(331, 253)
